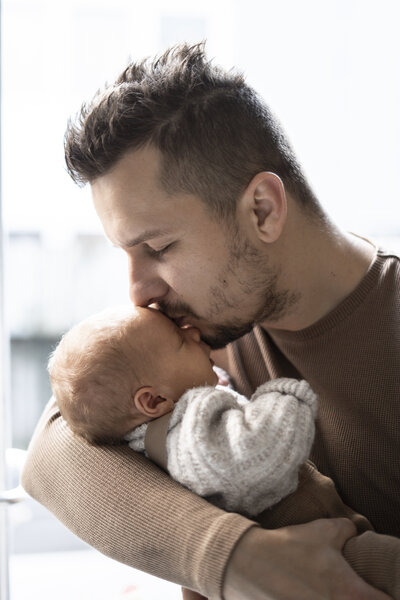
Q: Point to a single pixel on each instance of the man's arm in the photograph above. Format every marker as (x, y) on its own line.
(127, 508)
(130, 510)
(301, 563)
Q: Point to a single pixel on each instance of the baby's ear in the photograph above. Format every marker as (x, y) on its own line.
(149, 403)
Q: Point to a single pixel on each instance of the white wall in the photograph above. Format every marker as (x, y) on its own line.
(331, 71)
(329, 68)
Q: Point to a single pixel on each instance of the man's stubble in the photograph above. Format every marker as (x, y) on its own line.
(257, 297)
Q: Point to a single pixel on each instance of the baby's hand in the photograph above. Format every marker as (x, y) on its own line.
(223, 377)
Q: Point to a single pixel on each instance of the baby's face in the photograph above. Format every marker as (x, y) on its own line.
(180, 360)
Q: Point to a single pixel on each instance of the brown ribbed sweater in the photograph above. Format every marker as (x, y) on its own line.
(351, 358)
(127, 508)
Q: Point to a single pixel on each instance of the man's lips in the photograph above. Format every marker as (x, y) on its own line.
(181, 321)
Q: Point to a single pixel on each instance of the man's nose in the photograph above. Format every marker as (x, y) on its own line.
(145, 287)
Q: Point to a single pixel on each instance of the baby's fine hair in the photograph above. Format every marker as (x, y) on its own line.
(92, 377)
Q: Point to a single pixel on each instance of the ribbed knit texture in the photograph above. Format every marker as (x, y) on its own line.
(111, 497)
(242, 455)
(351, 358)
(127, 508)
(376, 558)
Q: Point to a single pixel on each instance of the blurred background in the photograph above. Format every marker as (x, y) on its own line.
(330, 71)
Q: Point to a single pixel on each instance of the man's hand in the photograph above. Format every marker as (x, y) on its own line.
(302, 562)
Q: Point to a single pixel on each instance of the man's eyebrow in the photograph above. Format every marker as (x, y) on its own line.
(148, 234)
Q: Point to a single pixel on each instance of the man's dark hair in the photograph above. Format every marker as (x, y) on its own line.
(213, 131)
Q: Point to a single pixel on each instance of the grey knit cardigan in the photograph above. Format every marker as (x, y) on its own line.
(242, 455)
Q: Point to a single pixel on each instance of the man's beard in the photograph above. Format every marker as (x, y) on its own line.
(221, 333)
(258, 286)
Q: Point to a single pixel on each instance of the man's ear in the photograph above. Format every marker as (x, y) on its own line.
(263, 206)
(149, 403)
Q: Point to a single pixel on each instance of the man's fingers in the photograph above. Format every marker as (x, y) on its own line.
(345, 530)
(335, 532)
(341, 530)
(302, 562)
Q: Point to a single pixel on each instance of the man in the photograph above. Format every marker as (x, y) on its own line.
(194, 179)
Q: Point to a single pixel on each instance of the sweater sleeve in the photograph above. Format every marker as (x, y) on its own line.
(243, 456)
(127, 508)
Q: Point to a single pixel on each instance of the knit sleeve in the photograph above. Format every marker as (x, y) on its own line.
(127, 508)
(244, 456)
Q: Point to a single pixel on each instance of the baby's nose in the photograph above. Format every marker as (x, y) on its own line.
(193, 333)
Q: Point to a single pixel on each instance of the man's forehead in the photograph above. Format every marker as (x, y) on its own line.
(129, 220)
(134, 177)
(133, 211)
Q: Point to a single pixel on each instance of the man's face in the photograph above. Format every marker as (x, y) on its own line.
(181, 259)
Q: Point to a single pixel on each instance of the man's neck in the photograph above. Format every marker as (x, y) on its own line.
(323, 265)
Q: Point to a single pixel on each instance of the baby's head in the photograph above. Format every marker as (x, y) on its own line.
(123, 367)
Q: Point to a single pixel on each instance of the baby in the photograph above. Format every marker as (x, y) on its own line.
(117, 371)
